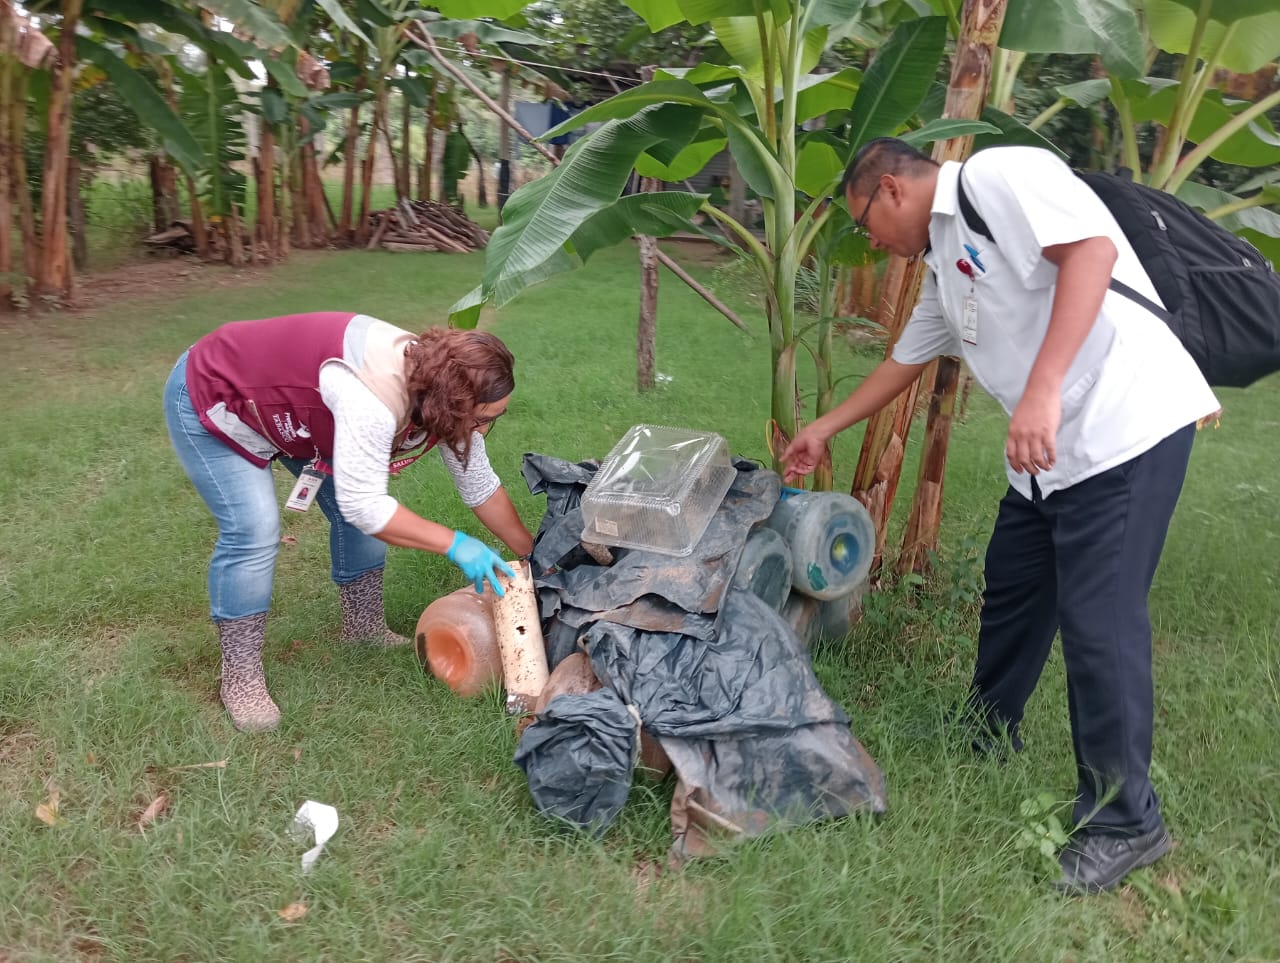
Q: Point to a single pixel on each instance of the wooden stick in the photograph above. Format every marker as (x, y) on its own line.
(377, 235)
(424, 40)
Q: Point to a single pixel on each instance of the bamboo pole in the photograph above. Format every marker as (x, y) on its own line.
(424, 40)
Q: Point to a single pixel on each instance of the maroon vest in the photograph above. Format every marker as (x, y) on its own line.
(267, 375)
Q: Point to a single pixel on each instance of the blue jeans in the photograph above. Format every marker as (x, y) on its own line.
(242, 498)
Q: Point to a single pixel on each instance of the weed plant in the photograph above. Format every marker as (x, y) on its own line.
(108, 692)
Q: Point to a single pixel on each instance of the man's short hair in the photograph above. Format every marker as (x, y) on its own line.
(883, 155)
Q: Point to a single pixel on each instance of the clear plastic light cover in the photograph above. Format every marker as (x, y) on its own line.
(657, 489)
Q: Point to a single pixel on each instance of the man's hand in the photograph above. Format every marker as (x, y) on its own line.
(1033, 432)
(804, 453)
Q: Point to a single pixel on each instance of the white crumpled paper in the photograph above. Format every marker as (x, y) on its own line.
(320, 818)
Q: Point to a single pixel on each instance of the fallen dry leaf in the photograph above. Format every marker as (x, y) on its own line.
(158, 806)
(89, 759)
(47, 811)
(293, 912)
(297, 753)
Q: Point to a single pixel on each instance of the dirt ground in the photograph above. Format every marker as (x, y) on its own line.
(168, 275)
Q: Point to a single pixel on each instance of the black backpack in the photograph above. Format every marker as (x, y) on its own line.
(1222, 296)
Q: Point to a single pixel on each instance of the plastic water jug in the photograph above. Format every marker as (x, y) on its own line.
(832, 541)
(456, 642)
(764, 568)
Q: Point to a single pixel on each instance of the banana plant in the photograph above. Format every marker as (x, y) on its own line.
(755, 105)
(1241, 36)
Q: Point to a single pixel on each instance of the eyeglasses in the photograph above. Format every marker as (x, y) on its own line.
(861, 222)
(483, 425)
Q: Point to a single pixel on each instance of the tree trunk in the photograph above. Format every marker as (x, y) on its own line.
(401, 188)
(8, 69)
(197, 221)
(265, 168)
(506, 169)
(75, 215)
(428, 138)
(404, 179)
(164, 192)
(53, 273)
(370, 157)
(345, 228)
(482, 193)
(823, 474)
(313, 187)
(647, 329)
(875, 480)
(234, 236)
(921, 536)
(285, 211)
(980, 23)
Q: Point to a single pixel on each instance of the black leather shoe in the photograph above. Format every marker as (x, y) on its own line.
(1092, 862)
(987, 737)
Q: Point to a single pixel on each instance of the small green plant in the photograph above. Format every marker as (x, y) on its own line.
(1042, 830)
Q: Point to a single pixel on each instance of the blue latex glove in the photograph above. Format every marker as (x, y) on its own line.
(477, 561)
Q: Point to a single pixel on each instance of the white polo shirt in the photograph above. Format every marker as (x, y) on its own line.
(1131, 385)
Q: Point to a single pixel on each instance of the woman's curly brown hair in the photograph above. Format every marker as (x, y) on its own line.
(449, 373)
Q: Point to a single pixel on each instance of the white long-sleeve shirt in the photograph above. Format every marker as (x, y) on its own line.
(364, 432)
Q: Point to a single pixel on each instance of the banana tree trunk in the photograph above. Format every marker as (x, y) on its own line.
(197, 221)
(314, 202)
(404, 180)
(875, 480)
(349, 168)
(428, 137)
(646, 330)
(234, 227)
(75, 214)
(266, 171)
(18, 176)
(823, 475)
(980, 25)
(370, 158)
(53, 272)
(8, 70)
(285, 207)
(164, 192)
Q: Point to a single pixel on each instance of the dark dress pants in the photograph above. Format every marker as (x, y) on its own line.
(1082, 560)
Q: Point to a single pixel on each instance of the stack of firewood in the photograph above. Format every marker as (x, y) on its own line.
(424, 226)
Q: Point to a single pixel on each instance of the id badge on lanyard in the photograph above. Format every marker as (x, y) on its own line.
(307, 487)
(969, 309)
(969, 321)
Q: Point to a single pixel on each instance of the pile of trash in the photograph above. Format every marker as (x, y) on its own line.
(658, 660)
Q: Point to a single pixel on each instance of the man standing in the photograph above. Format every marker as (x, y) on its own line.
(1103, 403)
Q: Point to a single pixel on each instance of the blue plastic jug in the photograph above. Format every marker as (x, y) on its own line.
(832, 541)
(764, 568)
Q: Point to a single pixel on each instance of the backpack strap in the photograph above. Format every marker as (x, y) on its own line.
(976, 224)
(968, 211)
(1123, 289)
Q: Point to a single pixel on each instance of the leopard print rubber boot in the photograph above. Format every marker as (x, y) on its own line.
(244, 687)
(362, 617)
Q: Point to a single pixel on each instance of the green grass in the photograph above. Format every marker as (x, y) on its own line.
(108, 663)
